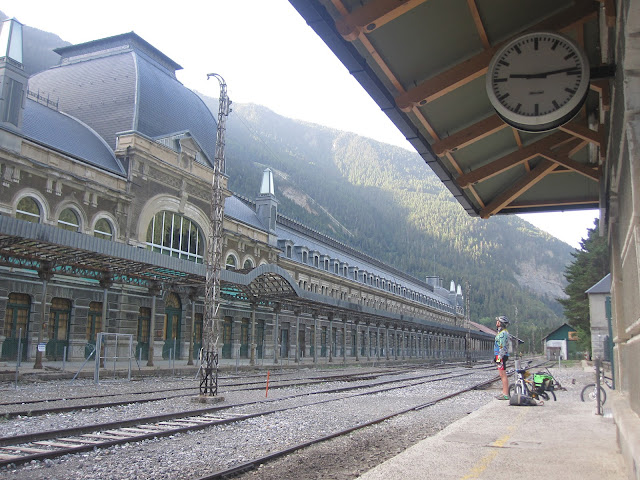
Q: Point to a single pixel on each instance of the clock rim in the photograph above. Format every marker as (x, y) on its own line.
(550, 120)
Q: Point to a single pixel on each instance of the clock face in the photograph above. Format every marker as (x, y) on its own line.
(538, 81)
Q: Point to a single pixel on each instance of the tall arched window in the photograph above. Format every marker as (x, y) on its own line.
(172, 234)
(231, 263)
(248, 264)
(103, 229)
(28, 209)
(69, 220)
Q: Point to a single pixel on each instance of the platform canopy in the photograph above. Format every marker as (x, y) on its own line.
(424, 62)
(48, 251)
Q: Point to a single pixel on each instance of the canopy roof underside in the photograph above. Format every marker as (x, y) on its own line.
(424, 63)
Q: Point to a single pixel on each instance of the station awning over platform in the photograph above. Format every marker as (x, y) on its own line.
(424, 62)
(38, 247)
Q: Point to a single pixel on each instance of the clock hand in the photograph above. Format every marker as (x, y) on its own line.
(543, 74)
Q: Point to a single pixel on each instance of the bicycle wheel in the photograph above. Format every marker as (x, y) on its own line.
(589, 394)
(517, 387)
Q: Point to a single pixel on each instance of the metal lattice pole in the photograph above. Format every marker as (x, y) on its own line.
(211, 330)
(467, 315)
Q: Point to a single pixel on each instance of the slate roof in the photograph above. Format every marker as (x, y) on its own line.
(603, 286)
(121, 84)
(236, 208)
(239, 209)
(68, 136)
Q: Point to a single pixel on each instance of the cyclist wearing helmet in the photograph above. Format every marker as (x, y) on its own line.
(501, 354)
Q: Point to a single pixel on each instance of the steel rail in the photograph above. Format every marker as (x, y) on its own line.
(71, 408)
(250, 465)
(150, 428)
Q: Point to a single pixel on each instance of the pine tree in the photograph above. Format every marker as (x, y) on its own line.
(590, 265)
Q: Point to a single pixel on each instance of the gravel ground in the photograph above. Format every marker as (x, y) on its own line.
(192, 455)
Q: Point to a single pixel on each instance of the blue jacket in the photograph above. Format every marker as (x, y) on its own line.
(501, 345)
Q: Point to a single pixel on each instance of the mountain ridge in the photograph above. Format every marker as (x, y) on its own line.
(384, 201)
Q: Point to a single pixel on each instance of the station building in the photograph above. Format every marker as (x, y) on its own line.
(106, 170)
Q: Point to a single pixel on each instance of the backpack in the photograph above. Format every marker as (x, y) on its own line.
(543, 380)
(519, 400)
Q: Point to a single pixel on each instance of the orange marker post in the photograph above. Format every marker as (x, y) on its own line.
(267, 392)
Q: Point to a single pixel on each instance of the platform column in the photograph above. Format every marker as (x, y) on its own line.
(344, 340)
(331, 337)
(154, 290)
(252, 353)
(276, 327)
(45, 274)
(296, 312)
(357, 334)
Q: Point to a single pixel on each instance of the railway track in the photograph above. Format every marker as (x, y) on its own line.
(45, 445)
(50, 404)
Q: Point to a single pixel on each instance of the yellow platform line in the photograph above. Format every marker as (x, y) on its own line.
(485, 461)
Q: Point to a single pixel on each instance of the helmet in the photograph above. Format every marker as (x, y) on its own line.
(503, 320)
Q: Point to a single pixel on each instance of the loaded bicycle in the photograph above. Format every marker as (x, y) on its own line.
(540, 385)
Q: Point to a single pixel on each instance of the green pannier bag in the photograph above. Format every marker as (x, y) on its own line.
(543, 380)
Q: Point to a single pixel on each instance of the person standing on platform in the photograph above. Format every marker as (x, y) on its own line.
(501, 354)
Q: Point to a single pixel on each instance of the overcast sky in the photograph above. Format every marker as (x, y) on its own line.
(267, 55)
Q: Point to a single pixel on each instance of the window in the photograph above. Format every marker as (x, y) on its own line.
(316, 261)
(144, 323)
(103, 229)
(172, 234)
(28, 210)
(304, 257)
(94, 321)
(231, 263)
(69, 220)
(248, 264)
(288, 251)
(326, 264)
(17, 315)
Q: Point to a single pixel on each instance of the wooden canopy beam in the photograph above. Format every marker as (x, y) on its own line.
(476, 66)
(554, 203)
(469, 135)
(544, 168)
(372, 16)
(512, 159)
(564, 160)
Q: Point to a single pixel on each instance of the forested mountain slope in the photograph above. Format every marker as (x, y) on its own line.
(384, 201)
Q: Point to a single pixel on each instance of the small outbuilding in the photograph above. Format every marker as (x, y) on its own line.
(561, 344)
(599, 312)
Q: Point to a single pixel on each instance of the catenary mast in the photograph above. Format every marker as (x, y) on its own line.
(211, 330)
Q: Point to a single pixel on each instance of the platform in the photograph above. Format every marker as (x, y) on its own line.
(563, 439)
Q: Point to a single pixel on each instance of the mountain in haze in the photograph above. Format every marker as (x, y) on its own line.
(384, 201)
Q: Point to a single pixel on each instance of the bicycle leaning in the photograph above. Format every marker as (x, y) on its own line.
(542, 386)
(590, 392)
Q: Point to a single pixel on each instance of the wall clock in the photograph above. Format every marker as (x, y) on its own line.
(538, 81)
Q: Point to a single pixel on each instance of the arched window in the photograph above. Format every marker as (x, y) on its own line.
(172, 234)
(28, 210)
(248, 264)
(103, 229)
(69, 220)
(231, 263)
